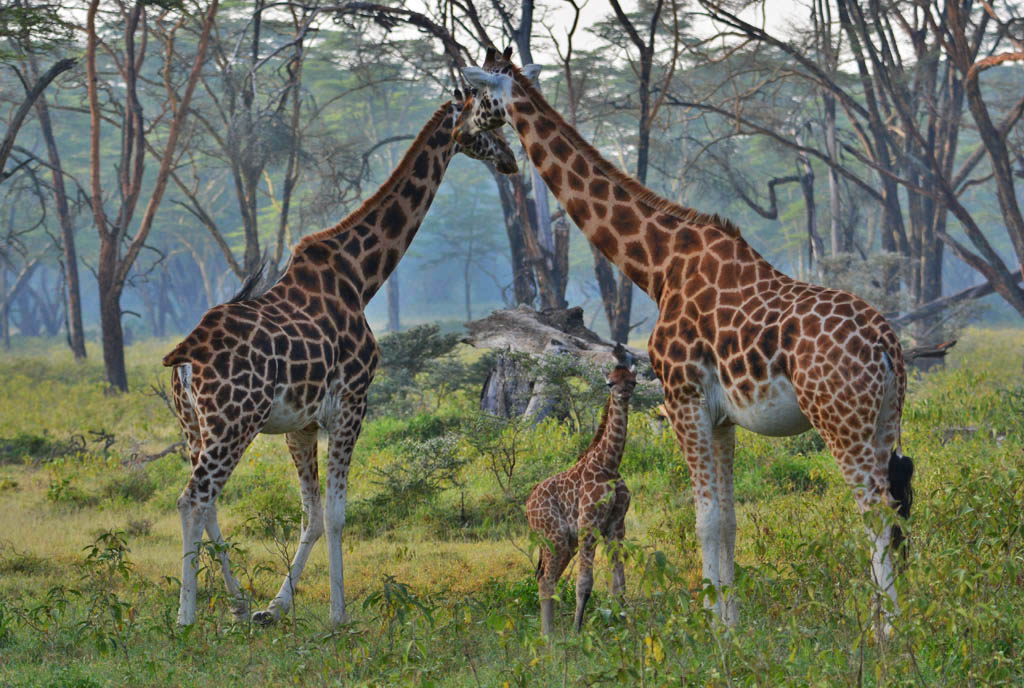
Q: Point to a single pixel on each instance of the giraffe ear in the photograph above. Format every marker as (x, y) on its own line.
(508, 53)
(479, 77)
(531, 71)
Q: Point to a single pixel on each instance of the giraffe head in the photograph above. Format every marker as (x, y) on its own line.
(496, 85)
(622, 378)
(489, 146)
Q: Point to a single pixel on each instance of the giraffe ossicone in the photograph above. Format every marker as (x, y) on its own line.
(300, 358)
(737, 342)
(573, 508)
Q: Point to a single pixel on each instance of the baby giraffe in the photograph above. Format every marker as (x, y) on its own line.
(587, 499)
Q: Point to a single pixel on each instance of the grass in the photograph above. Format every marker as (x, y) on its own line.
(441, 590)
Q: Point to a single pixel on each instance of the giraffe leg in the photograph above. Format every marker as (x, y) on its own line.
(195, 506)
(862, 444)
(302, 445)
(615, 537)
(552, 563)
(723, 443)
(189, 422)
(585, 577)
(692, 424)
(240, 605)
(343, 434)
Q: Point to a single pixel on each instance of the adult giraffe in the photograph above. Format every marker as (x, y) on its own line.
(736, 342)
(301, 357)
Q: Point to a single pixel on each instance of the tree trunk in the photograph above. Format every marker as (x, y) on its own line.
(523, 284)
(113, 338)
(76, 333)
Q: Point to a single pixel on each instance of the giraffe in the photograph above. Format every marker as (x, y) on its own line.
(588, 499)
(736, 342)
(301, 357)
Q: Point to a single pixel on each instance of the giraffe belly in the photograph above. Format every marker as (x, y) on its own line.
(773, 410)
(285, 418)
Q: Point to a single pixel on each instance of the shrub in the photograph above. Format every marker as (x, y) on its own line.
(134, 485)
(61, 491)
(791, 474)
(427, 468)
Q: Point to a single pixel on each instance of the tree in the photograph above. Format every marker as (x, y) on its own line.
(903, 114)
(118, 247)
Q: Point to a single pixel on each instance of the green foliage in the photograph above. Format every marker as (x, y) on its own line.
(64, 492)
(26, 447)
(405, 355)
(134, 485)
(263, 498)
(425, 468)
(424, 612)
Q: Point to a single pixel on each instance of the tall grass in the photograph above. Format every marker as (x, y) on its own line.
(441, 591)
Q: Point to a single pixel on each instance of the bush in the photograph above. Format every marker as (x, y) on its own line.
(28, 447)
(134, 485)
(791, 474)
(427, 468)
(61, 491)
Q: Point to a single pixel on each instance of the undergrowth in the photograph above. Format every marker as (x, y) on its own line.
(439, 567)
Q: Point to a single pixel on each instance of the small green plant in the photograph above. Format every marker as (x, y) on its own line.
(63, 492)
(425, 469)
(395, 603)
(792, 474)
(134, 485)
(110, 619)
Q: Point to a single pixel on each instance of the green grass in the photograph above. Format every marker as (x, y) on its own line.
(440, 586)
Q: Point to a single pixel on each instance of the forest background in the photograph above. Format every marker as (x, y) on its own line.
(876, 149)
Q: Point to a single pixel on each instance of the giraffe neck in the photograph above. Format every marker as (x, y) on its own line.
(365, 247)
(605, 451)
(645, 235)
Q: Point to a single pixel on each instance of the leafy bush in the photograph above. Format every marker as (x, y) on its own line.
(30, 447)
(61, 491)
(404, 355)
(426, 468)
(266, 492)
(134, 485)
(793, 474)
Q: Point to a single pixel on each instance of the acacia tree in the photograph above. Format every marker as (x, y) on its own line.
(119, 247)
(903, 114)
(69, 264)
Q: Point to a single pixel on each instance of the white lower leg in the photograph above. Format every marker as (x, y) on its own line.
(709, 532)
(726, 565)
(192, 522)
(884, 577)
(334, 516)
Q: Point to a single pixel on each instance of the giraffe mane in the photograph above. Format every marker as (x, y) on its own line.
(641, 193)
(400, 170)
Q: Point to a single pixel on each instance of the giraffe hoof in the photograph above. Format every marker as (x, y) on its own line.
(264, 618)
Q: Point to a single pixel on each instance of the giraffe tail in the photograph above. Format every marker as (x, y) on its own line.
(901, 472)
